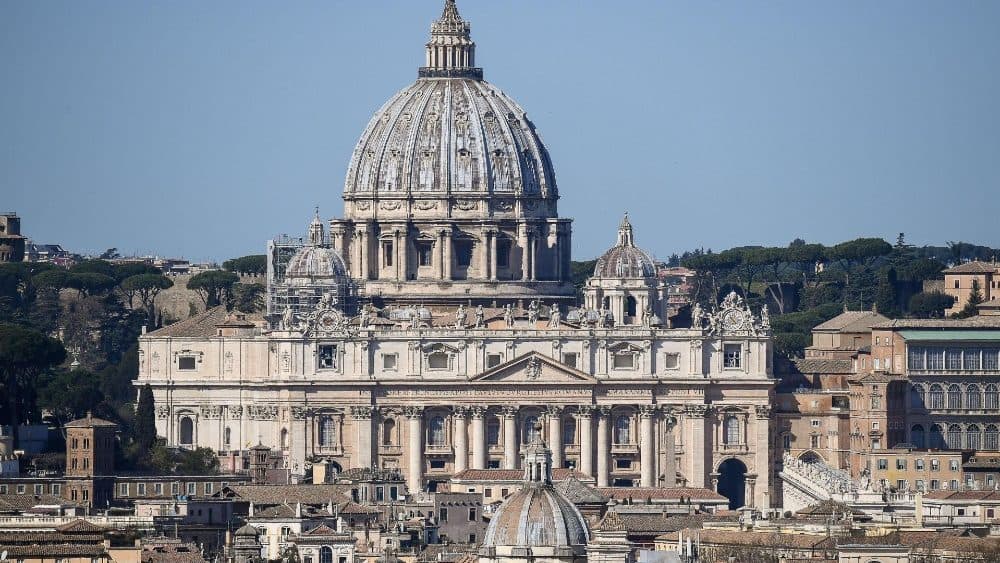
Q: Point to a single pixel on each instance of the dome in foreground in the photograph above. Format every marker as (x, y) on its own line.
(625, 259)
(450, 131)
(538, 520)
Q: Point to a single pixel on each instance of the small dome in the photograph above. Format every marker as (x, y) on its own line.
(316, 263)
(247, 531)
(625, 259)
(538, 516)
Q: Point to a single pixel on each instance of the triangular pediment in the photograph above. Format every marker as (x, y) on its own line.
(534, 368)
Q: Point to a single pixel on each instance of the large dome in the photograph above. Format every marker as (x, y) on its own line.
(450, 135)
(625, 259)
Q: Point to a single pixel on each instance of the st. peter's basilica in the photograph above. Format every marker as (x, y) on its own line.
(434, 327)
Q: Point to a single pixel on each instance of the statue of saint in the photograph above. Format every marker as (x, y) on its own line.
(480, 317)
(555, 316)
(533, 313)
(460, 316)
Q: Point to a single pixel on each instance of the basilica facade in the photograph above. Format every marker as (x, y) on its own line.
(434, 328)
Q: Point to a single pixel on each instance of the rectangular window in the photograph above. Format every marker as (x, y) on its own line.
(935, 465)
(814, 441)
(492, 360)
(208, 488)
(953, 359)
(175, 488)
(472, 538)
(953, 484)
(901, 484)
(971, 359)
(20, 489)
(672, 360)
(786, 442)
(487, 493)
(192, 489)
(953, 465)
(140, 489)
(437, 464)
(473, 514)
(387, 254)
(732, 356)
(86, 495)
(900, 463)
(624, 360)
(874, 425)
(39, 489)
(920, 484)
(389, 362)
(570, 359)
(494, 464)
(123, 489)
(990, 362)
(503, 254)
(444, 514)
(186, 363)
(56, 489)
(935, 484)
(3, 489)
(814, 423)
(935, 358)
(623, 463)
(919, 464)
(504, 493)
(425, 253)
(438, 360)
(463, 253)
(883, 464)
(158, 489)
(327, 356)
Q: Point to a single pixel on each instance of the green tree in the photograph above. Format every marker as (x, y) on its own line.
(110, 254)
(144, 434)
(931, 305)
(214, 286)
(94, 267)
(24, 355)
(146, 287)
(249, 297)
(89, 283)
(70, 395)
(201, 461)
(129, 269)
(51, 279)
(885, 294)
(971, 308)
(253, 265)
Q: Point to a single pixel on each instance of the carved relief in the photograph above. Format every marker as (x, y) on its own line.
(390, 205)
(503, 205)
(363, 205)
(467, 204)
(425, 205)
(162, 412)
(534, 369)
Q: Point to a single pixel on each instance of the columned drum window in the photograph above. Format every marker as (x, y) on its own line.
(493, 431)
(569, 431)
(973, 397)
(530, 432)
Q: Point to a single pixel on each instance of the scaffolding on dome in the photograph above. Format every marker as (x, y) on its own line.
(303, 295)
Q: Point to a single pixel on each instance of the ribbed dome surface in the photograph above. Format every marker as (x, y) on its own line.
(450, 135)
(536, 516)
(315, 263)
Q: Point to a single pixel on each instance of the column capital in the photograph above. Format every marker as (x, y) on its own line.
(585, 411)
(553, 410)
(648, 411)
(461, 411)
(696, 411)
(762, 411)
(413, 411)
(508, 411)
(477, 411)
(363, 412)
(603, 411)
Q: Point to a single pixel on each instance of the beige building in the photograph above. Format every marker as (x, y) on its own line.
(958, 282)
(433, 328)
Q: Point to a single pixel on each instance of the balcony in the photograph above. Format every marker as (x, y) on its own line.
(624, 449)
(438, 449)
(390, 449)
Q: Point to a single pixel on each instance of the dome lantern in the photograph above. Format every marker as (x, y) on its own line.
(451, 52)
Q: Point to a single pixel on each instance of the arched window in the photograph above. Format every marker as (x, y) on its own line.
(530, 433)
(992, 397)
(327, 432)
(973, 397)
(569, 431)
(623, 430)
(917, 436)
(326, 554)
(973, 437)
(388, 432)
(937, 437)
(187, 431)
(284, 439)
(493, 431)
(435, 432)
(917, 396)
(954, 437)
(227, 437)
(954, 396)
(937, 396)
(991, 438)
(731, 430)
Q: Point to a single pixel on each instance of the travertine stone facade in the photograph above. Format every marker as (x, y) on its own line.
(465, 337)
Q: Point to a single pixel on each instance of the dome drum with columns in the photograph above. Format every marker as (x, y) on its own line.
(451, 186)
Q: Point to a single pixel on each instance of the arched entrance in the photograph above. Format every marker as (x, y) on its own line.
(732, 482)
(810, 457)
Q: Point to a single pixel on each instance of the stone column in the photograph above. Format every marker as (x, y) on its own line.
(603, 446)
(362, 416)
(447, 250)
(461, 439)
(554, 413)
(647, 446)
(440, 254)
(696, 446)
(397, 259)
(510, 453)
(522, 243)
(493, 254)
(415, 473)
(586, 424)
(762, 458)
(478, 437)
(670, 468)
(534, 256)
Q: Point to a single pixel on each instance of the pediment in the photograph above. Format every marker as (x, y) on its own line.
(534, 368)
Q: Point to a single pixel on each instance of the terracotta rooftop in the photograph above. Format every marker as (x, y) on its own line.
(852, 321)
(990, 495)
(81, 526)
(979, 321)
(63, 550)
(974, 268)
(641, 494)
(204, 325)
(824, 366)
(579, 492)
(291, 494)
(558, 474)
(89, 421)
(612, 522)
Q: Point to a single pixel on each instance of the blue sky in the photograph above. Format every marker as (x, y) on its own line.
(200, 129)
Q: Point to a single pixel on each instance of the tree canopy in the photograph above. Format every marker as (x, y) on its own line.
(214, 286)
(252, 265)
